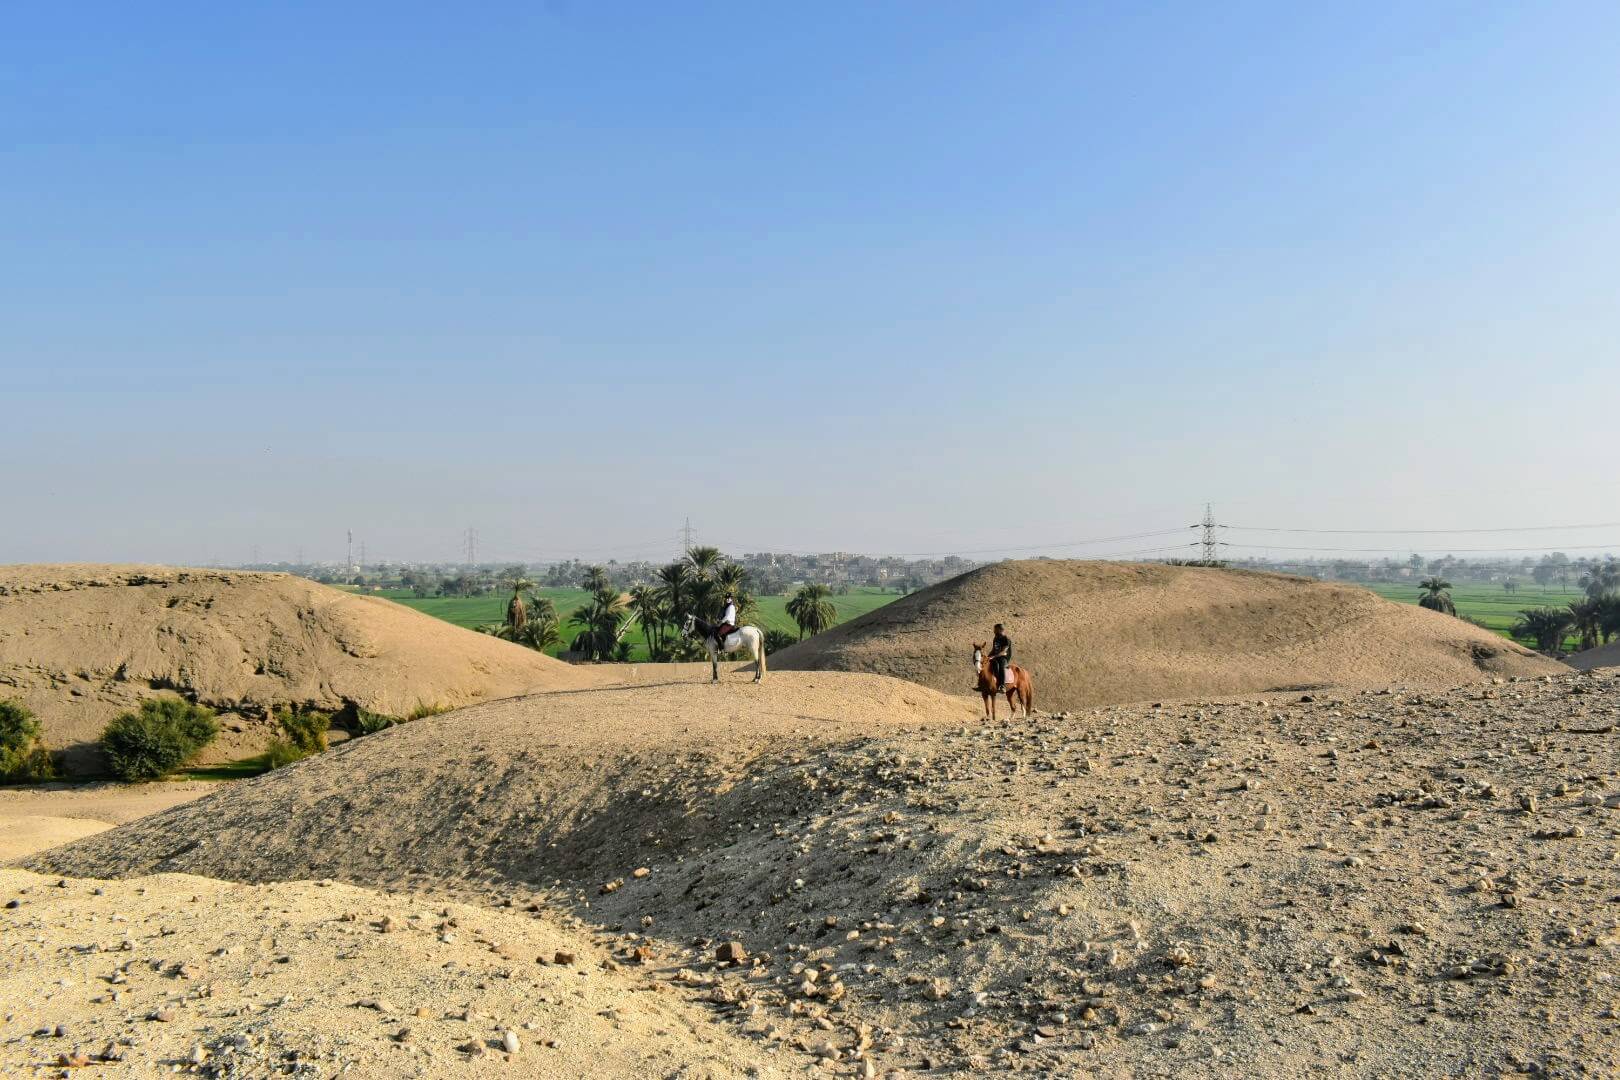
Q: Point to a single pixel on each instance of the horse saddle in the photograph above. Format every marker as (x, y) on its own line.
(732, 643)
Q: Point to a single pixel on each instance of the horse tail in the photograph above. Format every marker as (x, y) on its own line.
(761, 638)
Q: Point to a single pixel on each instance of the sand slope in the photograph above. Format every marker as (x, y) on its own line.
(1601, 657)
(81, 643)
(1098, 632)
(490, 790)
(36, 818)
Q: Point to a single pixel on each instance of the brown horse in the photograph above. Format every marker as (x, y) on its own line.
(1020, 690)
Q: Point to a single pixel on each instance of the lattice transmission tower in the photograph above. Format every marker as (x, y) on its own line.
(1210, 543)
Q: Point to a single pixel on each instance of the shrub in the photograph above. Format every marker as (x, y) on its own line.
(423, 710)
(304, 730)
(777, 640)
(303, 735)
(367, 722)
(22, 759)
(283, 752)
(166, 733)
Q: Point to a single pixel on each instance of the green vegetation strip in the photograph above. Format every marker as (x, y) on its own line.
(475, 611)
(1492, 605)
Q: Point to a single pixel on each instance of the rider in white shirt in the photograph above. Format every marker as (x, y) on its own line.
(728, 622)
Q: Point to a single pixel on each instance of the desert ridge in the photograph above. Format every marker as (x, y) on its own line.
(1095, 633)
(80, 644)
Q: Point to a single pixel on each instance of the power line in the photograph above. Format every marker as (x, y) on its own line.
(980, 551)
(1452, 551)
(1430, 532)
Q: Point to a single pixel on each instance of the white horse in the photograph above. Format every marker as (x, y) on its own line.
(743, 637)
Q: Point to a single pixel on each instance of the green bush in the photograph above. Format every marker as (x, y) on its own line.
(22, 759)
(305, 730)
(367, 722)
(424, 710)
(166, 733)
(283, 752)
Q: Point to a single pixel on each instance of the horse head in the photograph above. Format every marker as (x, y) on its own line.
(978, 657)
(689, 624)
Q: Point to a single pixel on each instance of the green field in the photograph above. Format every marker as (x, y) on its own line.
(1490, 604)
(475, 611)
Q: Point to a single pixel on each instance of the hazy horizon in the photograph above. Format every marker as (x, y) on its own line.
(894, 279)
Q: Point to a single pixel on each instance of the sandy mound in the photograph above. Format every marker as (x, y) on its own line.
(80, 644)
(1363, 883)
(35, 818)
(162, 971)
(1101, 632)
(1601, 657)
(619, 771)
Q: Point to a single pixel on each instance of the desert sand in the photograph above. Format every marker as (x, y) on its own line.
(35, 818)
(1096, 633)
(854, 876)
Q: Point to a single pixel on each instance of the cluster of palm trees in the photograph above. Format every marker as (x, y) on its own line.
(696, 584)
(1594, 619)
(530, 621)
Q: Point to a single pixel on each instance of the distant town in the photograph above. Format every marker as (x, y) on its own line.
(772, 573)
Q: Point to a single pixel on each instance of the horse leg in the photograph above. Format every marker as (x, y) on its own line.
(714, 665)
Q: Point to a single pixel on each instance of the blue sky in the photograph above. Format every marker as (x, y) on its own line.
(899, 277)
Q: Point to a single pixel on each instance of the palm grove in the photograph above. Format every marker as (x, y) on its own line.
(1592, 620)
(656, 610)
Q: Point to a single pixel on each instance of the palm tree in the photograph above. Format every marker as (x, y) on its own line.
(648, 606)
(703, 596)
(675, 577)
(811, 609)
(1601, 578)
(516, 613)
(603, 622)
(1435, 597)
(1545, 626)
(541, 633)
(596, 579)
(704, 559)
(1609, 616)
(777, 640)
(1587, 617)
(732, 578)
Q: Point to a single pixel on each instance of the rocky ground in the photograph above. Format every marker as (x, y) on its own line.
(1379, 883)
(183, 974)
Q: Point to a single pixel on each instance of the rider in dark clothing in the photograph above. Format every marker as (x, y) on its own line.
(1000, 655)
